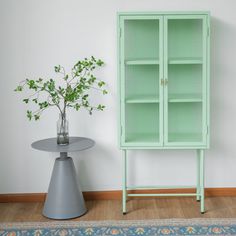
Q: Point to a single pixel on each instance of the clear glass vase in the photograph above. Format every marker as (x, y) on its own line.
(62, 130)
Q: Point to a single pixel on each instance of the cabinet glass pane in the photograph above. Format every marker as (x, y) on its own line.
(142, 83)
(142, 123)
(185, 122)
(185, 40)
(185, 83)
(141, 39)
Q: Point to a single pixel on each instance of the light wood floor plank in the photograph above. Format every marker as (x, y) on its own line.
(159, 208)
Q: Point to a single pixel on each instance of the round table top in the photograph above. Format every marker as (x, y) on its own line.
(75, 144)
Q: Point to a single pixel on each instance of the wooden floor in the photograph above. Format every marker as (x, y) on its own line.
(159, 208)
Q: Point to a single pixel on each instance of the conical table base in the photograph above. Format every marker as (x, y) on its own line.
(64, 199)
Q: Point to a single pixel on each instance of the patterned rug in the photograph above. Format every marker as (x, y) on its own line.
(128, 228)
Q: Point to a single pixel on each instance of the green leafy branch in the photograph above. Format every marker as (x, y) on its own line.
(74, 93)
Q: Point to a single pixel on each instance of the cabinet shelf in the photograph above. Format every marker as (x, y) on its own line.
(184, 137)
(142, 138)
(143, 99)
(184, 98)
(142, 62)
(185, 60)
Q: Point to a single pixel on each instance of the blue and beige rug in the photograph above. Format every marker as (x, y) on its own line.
(128, 228)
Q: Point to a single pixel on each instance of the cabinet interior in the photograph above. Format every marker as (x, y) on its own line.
(142, 83)
(141, 38)
(185, 39)
(141, 123)
(185, 83)
(164, 81)
(184, 122)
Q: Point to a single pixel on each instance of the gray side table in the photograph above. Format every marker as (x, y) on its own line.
(64, 199)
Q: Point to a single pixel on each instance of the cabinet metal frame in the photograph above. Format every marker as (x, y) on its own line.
(163, 143)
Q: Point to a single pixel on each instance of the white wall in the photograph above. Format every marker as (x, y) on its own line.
(36, 35)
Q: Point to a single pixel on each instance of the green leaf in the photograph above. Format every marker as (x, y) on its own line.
(29, 114)
(36, 117)
(32, 84)
(99, 62)
(26, 100)
(100, 107)
(35, 100)
(104, 92)
(101, 83)
(77, 106)
(19, 88)
(85, 103)
(57, 68)
(51, 85)
(85, 97)
(39, 80)
(43, 104)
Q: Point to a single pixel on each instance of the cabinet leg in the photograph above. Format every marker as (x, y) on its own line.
(124, 181)
(202, 180)
(198, 175)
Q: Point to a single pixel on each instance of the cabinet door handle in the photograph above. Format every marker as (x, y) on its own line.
(166, 82)
(162, 82)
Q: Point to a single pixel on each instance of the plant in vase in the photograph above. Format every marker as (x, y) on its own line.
(71, 90)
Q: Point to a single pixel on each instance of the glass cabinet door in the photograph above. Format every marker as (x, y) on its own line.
(185, 40)
(141, 67)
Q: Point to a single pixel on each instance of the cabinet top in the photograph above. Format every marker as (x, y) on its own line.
(164, 13)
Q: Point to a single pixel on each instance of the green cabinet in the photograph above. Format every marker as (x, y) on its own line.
(163, 79)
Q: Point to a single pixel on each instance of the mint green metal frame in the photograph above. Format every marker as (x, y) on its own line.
(199, 185)
(206, 114)
(204, 79)
(124, 182)
(121, 74)
(162, 17)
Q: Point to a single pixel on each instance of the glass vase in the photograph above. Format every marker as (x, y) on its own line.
(62, 130)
